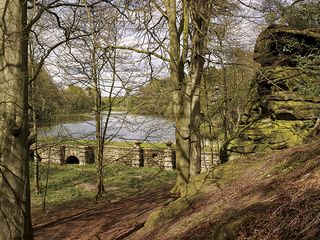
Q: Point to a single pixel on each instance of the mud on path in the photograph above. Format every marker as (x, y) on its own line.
(105, 221)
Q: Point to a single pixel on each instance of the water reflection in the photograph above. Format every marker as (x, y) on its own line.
(121, 127)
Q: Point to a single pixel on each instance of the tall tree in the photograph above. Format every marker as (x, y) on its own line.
(15, 27)
(176, 31)
(15, 219)
(186, 97)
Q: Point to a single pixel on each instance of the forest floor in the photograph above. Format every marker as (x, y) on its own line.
(271, 196)
(105, 220)
(70, 209)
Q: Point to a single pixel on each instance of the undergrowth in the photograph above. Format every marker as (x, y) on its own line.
(70, 183)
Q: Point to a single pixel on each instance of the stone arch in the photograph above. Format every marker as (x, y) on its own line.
(72, 160)
(154, 155)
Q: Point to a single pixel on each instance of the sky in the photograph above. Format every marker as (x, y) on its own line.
(133, 68)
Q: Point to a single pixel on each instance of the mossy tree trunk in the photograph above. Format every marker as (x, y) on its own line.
(181, 109)
(198, 50)
(187, 78)
(15, 219)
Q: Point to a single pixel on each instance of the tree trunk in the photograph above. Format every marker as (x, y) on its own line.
(100, 184)
(195, 138)
(225, 104)
(182, 148)
(15, 218)
(187, 87)
(35, 132)
(98, 112)
(32, 91)
(195, 76)
(181, 109)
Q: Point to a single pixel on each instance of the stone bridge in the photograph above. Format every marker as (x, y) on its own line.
(67, 154)
(136, 156)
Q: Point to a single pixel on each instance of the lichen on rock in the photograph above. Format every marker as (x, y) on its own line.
(284, 102)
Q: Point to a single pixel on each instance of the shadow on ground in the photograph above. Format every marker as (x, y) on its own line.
(105, 221)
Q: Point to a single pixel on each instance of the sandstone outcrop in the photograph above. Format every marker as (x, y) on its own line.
(284, 102)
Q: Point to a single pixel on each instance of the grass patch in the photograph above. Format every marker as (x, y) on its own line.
(129, 144)
(67, 183)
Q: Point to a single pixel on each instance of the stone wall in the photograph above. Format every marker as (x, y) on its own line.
(136, 156)
(209, 161)
(139, 157)
(50, 153)
(163, 158)
(60, 153)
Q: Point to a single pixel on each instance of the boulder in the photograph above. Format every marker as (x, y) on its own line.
(284, 46)
(284, 101)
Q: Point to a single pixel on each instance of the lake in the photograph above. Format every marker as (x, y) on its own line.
(121, 127)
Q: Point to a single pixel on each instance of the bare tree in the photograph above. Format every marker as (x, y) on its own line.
(95, 68)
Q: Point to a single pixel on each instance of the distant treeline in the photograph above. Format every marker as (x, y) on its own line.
(223, 93)
(154, 98)
(52, 101)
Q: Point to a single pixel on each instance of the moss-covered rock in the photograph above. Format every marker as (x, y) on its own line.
(294, 110)
(282, 78)
(284, 46)
(284, 101)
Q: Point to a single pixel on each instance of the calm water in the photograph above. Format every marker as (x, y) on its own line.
(121, 127)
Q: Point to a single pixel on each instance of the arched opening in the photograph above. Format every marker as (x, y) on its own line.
(72, 160)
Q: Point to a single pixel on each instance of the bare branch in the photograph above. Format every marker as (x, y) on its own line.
(137, 50)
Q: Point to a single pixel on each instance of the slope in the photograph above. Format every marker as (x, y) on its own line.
(261, 196)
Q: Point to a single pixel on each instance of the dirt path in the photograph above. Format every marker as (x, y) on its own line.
(104, 221)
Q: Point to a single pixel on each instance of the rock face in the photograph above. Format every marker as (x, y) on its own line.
(284, 102)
